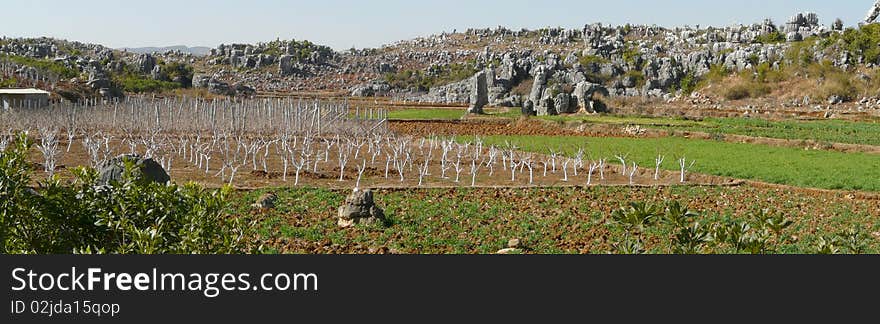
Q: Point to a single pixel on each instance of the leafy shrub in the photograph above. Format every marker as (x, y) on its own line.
(688, 83)
(637, 76)
(174, 70)
(586, 60)
(745, 90)
(860, 42)
(10, 82)
(131, 217)
(131, 82)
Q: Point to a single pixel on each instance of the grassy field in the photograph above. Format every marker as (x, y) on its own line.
(781, 165)
(566, 220)
(830, 131)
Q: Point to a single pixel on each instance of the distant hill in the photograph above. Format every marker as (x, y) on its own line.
(197, 50)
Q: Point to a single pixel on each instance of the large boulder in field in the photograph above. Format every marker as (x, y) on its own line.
(145, 170)
(359, 208)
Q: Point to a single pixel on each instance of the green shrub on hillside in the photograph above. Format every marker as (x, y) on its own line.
(130, 82)
(436, 75)
(43, 65)
(770, 38)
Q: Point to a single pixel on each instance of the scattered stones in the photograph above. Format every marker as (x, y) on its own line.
(509, 251)
(513, 243)
(359, 208)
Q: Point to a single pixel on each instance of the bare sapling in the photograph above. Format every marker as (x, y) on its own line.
(553, 156)
(298, 164)
(578, 161)
(49, 148)
(528, 164)
(360, 170)
(632, 172)
(657, 162)
(423, 169)
(493, 157)
(682, 163)
(622, 159)
(513, 165)
(593, 167)
(343, 152)
(565, 170)
(458, 167)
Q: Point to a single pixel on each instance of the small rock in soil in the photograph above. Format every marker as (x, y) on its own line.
(513, 243)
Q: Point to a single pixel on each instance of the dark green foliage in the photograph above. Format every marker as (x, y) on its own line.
(131, 217)
(586, 60)
(688, 83)
(174, 71)
(131, 82)
(10, 82)
(770, 38)
(861, 42)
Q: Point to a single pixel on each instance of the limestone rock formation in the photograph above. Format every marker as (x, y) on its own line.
(873, 13)
(479, 93)
(359, 208)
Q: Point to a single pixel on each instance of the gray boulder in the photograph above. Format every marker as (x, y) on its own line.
(145, 170)
(359, 208)
(479, 93)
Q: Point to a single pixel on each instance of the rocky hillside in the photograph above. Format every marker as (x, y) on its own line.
(545, 71)
(79, 71)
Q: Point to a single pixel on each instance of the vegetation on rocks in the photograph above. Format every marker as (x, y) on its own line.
(436, 75)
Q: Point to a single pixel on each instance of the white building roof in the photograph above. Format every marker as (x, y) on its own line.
(23, 91)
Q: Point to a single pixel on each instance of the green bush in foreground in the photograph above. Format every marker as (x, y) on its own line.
(132, 217)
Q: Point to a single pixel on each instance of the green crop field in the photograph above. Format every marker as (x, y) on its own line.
(831, 131)
(781, 165)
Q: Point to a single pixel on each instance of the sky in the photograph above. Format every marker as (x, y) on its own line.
(343, 24)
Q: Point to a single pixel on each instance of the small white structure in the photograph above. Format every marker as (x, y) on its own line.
(26, 98)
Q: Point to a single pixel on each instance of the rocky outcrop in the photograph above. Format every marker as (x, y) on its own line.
(145, 63)
(145, 169)
(873, 13)
(359, 208)
(376, 88)
(479, 93)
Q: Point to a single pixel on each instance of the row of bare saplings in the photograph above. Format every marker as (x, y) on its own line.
(224, 137)
(394, 158)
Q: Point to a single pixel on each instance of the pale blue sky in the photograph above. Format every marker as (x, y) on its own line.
(342, 24)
